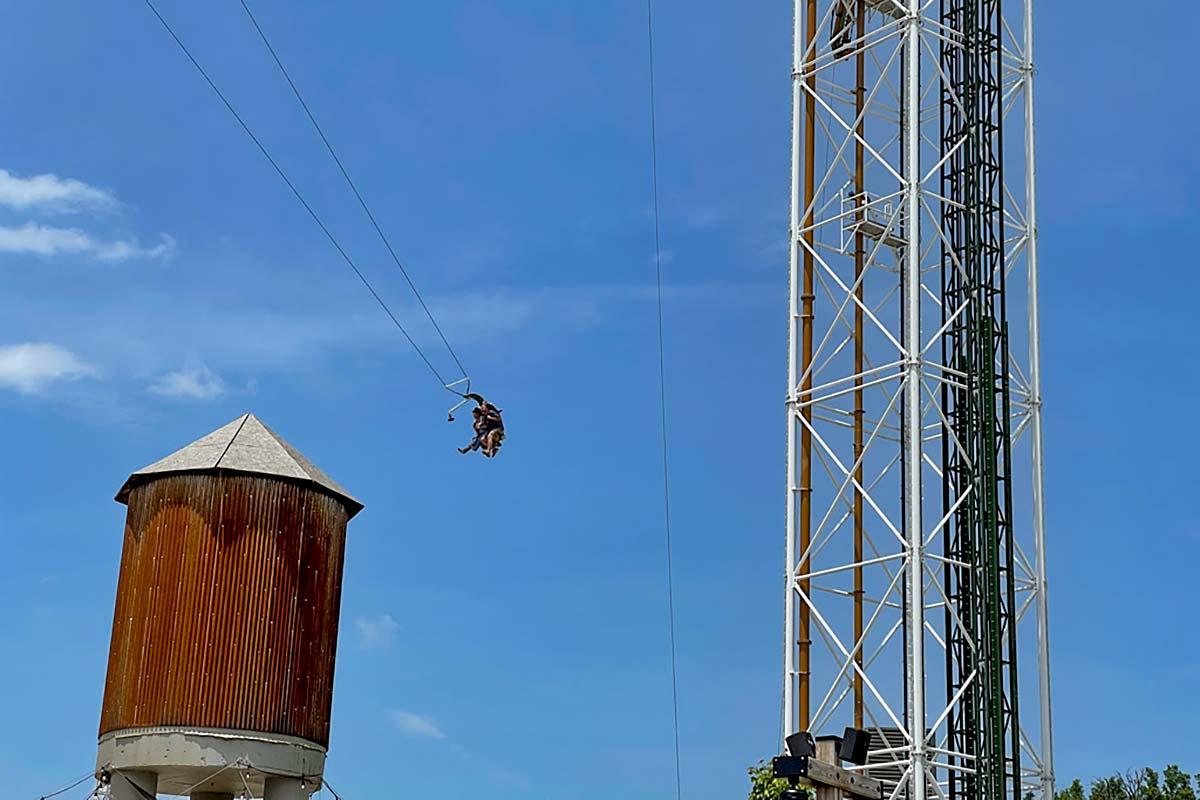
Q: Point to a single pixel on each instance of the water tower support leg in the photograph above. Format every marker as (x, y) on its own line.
(126, 784)
(285, 789)
(212, 796)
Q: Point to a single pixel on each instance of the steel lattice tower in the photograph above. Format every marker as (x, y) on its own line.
(915, 589)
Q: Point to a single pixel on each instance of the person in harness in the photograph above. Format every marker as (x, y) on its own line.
(489, 428)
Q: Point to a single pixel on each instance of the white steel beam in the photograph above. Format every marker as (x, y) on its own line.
(912, 446)
(865, 318)
(787, 722)
(1035, 414)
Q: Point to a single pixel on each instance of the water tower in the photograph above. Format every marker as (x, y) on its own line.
(220, 672)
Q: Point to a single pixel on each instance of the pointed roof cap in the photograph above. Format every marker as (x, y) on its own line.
(247, 446)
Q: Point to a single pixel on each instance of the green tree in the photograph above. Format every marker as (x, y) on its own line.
(763, 783)
(1136, 784)
(1152, 790)
(1073, 792)
(1177, 784)
(1111, 788)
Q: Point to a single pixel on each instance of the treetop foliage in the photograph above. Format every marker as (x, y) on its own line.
(763, 783)
(1138, 784)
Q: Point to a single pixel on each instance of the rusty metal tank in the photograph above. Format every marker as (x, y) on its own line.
(225, 628)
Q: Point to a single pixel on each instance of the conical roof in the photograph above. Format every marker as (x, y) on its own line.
(245, 445)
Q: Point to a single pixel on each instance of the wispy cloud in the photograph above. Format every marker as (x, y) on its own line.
(665, 257)
(40, 195)
(33, 238)
(417, 726)
(377, 631)
(130, 249)
(144, 337)
(31, 367)
(192, 383)
(50, 193)
(501, 312)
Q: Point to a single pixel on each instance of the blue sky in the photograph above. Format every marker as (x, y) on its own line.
(504, 623)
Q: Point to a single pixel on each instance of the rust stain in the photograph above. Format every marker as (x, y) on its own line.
(227, 606)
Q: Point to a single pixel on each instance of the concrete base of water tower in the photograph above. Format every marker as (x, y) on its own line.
(200, 761)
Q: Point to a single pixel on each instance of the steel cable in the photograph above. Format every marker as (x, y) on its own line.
(353, 187)
(662, 396)
(296, 192)
(66, 789)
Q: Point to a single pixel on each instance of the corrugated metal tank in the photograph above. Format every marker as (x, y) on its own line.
(229, 592)
(227, 607)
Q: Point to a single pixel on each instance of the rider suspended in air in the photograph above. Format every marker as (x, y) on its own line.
(488, 425)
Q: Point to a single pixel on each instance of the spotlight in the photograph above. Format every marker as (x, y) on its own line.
(801, 744)
(854, 746)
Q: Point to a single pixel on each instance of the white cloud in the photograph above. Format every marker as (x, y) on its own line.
(143, 330)
(33, 238)
(32, 366)
(193, 383)
(51, 193)
(504, 312)
(416, 725)
(128, 249)
(377, 631)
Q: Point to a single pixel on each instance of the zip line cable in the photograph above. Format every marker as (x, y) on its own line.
(353, 187)
(662, 395)
(416, 348)
(300, 197)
